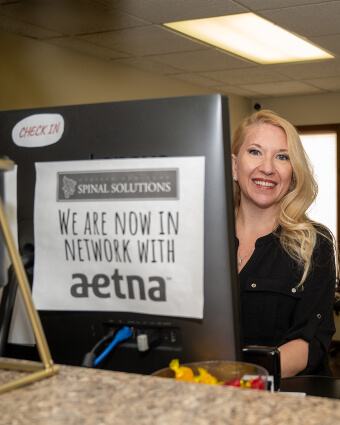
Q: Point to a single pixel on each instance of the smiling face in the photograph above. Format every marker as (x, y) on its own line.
(262, 166)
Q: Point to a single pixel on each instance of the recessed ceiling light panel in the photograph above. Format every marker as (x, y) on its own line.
(251, 37)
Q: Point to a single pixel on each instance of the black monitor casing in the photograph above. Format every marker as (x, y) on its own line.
(184, 126)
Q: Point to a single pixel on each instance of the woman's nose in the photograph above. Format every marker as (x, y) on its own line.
(267, 166)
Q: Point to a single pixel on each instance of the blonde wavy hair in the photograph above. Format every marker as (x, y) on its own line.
(298, 233)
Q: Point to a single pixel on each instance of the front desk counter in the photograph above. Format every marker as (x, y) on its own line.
(322, 386)
(89, 396)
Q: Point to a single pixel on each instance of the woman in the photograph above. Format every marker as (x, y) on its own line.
(286, 262)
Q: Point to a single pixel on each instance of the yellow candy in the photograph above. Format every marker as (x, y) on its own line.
(182, 373)
(205, 377)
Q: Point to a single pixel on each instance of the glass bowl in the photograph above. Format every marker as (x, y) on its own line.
(237, 374)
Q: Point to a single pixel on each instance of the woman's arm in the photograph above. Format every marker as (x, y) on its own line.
(313, 322)
(294, 357)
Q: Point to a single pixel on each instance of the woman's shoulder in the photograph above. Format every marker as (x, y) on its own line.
(323, 232)
(325, 244)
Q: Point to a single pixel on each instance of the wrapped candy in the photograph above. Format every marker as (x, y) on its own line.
(182, 373)
(185, 373)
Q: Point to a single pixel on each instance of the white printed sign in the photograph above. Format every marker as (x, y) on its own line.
(120, 235)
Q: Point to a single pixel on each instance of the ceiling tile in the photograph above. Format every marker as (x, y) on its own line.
(196, 79)
(161, 11)
(310, 20)
(69, 16)
(329, 84)
(84, 46)
(22, 28)
(149, 40)
(204, 60)
(5, 1)
(275, 4)
(328, 42)
(259, 74)
(239, 91)
(285, 88)
(146, 64)
(300, 71)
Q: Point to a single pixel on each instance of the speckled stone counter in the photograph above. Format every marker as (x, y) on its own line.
(88, 396)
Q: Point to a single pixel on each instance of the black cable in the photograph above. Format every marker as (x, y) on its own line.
(90, 357)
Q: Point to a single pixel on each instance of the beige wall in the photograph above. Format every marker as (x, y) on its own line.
(305, 110)
(36, 74)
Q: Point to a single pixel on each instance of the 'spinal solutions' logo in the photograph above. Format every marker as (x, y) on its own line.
(118, 185)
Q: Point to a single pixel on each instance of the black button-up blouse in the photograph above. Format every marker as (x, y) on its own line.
(276, 310)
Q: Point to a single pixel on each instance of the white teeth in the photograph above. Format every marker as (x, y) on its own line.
(261, 183)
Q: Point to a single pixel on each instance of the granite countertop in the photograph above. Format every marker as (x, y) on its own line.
(88, 396)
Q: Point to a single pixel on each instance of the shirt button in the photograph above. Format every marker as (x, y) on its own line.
(253, 285)
(293, 290)
(318, 316)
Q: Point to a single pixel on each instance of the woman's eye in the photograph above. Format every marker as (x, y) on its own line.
(283, 157)
(254, 152)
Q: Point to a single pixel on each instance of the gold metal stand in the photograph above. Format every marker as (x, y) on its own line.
(40, 370)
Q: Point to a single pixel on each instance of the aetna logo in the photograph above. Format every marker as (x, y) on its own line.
(118, 185)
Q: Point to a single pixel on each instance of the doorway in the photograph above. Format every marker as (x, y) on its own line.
(320, 144)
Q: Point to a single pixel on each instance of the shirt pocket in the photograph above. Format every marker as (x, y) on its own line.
(268, 309)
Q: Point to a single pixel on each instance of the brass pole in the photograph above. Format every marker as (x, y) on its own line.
(24, 286)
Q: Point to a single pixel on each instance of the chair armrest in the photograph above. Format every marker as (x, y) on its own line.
(267, 357)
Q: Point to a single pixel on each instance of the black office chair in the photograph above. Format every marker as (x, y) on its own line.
(268, 358)
(335, 345)
(8, 298)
